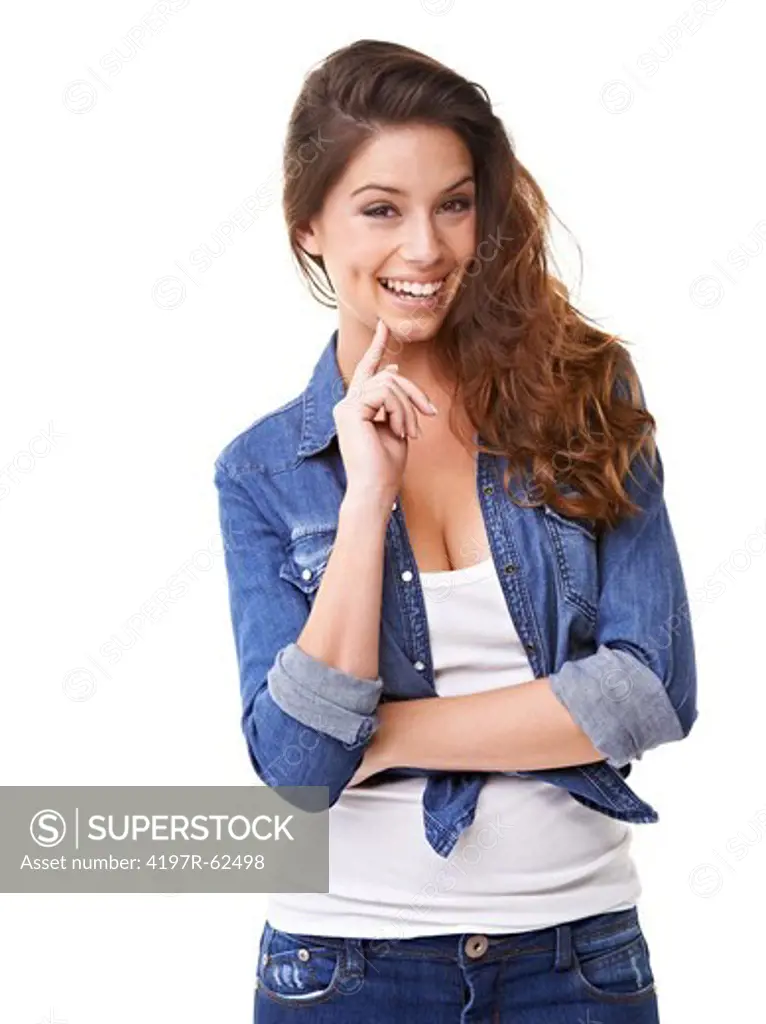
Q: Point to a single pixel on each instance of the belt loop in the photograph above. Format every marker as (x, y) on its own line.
(563, 947)
(352, 966)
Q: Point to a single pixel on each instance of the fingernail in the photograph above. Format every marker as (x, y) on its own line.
(432, 407)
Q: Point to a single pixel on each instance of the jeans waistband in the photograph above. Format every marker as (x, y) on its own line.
(557, 937)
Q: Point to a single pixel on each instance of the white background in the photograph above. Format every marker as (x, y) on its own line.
(118, 170)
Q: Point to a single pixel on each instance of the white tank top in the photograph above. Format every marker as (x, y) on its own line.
(533, 857)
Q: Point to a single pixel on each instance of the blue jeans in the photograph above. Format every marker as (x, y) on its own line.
(592, 971)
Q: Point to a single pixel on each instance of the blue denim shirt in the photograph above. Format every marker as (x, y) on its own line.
(604, 615)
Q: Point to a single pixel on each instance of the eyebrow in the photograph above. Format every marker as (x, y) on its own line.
(399, 192)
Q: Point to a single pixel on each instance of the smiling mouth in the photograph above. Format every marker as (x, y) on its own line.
(415, 292)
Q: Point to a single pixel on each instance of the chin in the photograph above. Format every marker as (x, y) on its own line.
(409, 333)
(412, 328)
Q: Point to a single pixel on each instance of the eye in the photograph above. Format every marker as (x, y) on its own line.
(464, 200)
(463, 204)
(373, 211)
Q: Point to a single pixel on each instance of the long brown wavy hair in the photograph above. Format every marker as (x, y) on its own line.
(539, 381)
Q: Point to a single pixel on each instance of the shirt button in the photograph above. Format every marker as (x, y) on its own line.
(510, 568)
(489, 489)
(393, 507)
(419, 665)
(303, 954)
(406, 575)
(306, 574)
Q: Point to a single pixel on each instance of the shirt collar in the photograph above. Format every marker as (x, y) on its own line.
(324, 390)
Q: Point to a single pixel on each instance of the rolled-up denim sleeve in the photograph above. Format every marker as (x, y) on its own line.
(639, 689)
(306, 722)
(322, 696)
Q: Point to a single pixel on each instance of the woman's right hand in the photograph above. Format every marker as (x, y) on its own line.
(375, 420)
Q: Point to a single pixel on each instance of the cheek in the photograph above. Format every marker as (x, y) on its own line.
(361, 263)
(352, 273)
(353, 254)
(356, 280)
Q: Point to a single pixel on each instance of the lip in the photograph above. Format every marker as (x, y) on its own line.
(412, 301)
(413, 280)
(429, 302)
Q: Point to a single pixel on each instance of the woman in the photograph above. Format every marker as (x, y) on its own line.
(465, 501)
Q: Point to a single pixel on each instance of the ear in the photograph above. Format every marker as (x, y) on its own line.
(307, 238)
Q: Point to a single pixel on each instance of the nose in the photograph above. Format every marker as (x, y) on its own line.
(422, 243)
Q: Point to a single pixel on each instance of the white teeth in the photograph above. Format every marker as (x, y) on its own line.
(412, 287)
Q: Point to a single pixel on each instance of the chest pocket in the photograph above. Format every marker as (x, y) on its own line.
(575, 546)
(306, 560)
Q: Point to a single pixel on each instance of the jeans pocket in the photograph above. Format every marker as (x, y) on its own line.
(612, 961)
(298, 969)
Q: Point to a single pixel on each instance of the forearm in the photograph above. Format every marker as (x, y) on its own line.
(285, 752)
(343, 627)
(515, 728)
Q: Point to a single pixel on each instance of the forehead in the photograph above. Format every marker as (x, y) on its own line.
(414, 158)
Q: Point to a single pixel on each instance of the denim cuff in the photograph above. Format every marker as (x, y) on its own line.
(323, 697)
(619, 703)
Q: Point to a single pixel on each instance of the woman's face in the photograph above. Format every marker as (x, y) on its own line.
(403, 213)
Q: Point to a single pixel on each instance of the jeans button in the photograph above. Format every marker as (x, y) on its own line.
(476, 946)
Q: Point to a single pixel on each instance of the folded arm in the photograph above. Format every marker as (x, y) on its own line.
(513, 728)
(636, 691)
